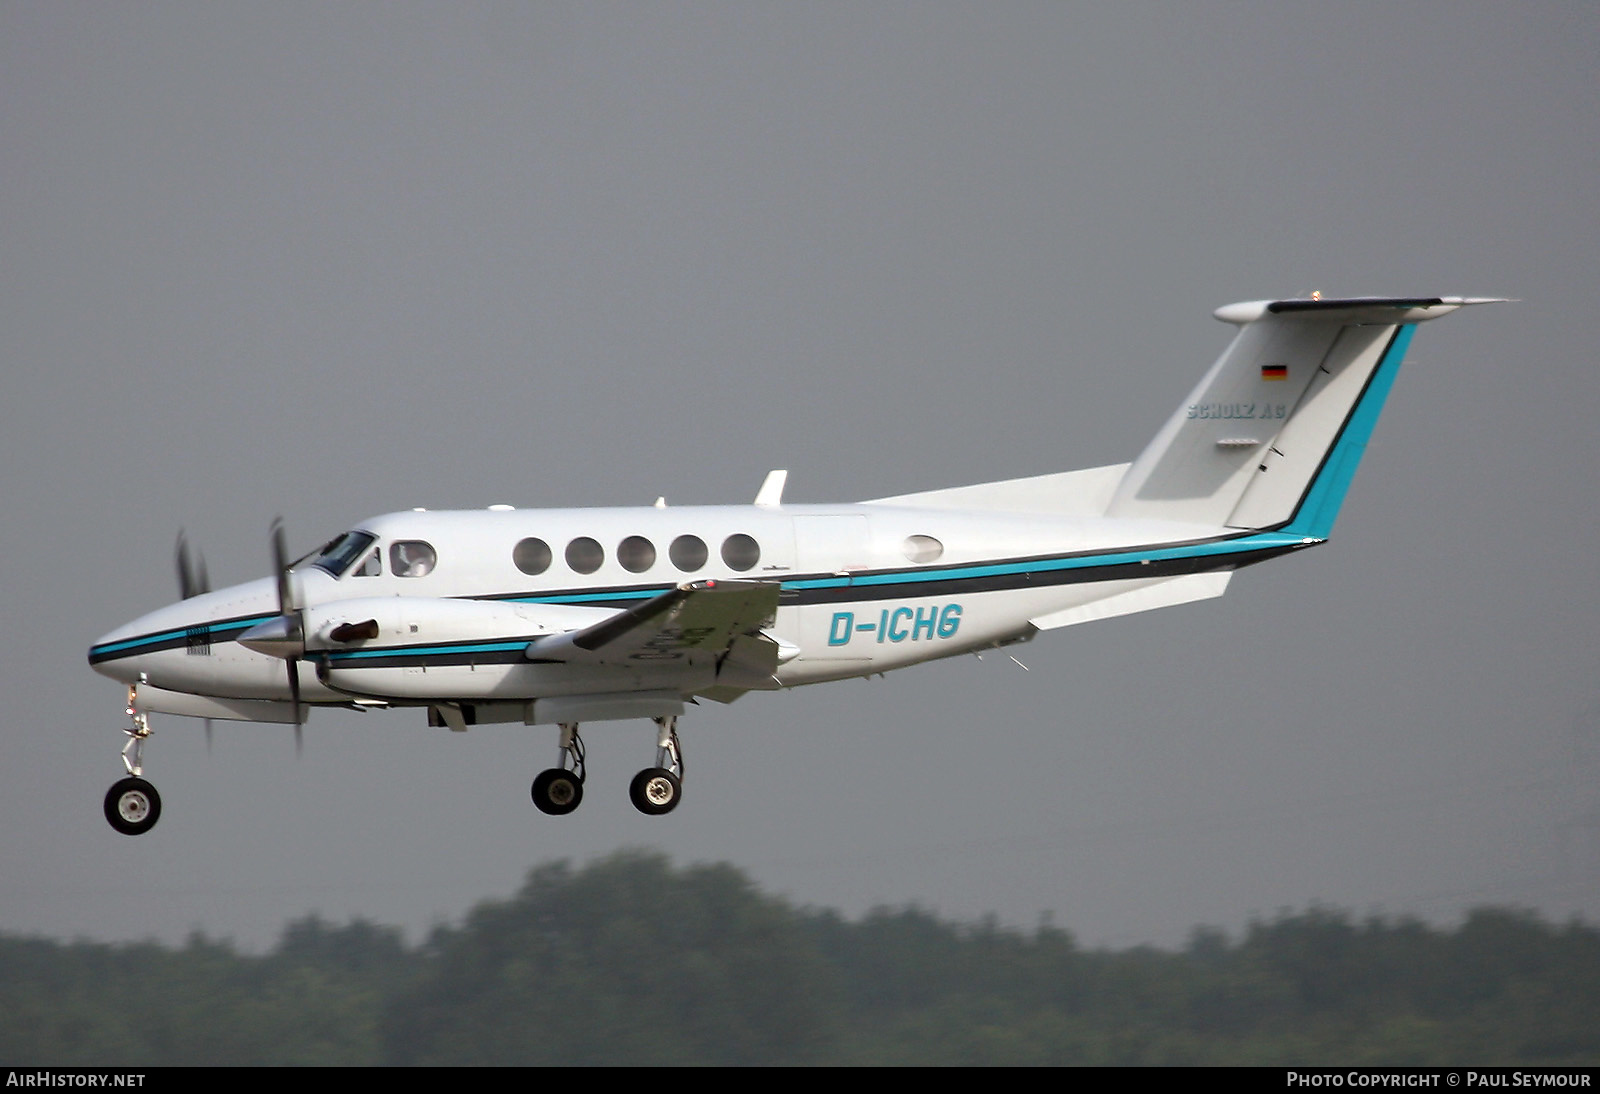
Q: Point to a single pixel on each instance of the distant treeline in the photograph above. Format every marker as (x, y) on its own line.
(633, 961)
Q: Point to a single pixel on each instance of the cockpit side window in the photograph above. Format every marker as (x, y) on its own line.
(371, 566)
(342, 552)
(412, 558)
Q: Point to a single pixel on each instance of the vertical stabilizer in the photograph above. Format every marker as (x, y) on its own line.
(1271, 436)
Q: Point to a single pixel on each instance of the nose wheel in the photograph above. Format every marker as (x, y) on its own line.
(132, 806)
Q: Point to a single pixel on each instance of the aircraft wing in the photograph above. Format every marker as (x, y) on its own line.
(705, 618)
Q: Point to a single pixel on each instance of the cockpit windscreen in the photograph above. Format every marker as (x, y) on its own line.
(342, 552)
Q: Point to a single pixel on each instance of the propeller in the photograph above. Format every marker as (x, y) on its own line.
(192, 577)
(296, 626)
(284, 635)
(193, 581)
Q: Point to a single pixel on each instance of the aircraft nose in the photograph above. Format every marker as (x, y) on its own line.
(161, 643)
(115, 653)
(131, 648)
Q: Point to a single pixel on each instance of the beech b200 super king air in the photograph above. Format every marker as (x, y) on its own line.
(563, 616)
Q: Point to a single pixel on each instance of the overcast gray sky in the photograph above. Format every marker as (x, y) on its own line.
(589, 254)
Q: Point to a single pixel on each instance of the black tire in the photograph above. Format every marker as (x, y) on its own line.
(557, 791)
(132, 806)
(655, 791)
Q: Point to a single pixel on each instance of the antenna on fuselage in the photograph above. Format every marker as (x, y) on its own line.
(771, 492)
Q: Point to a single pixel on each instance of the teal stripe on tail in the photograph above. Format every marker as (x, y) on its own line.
(1320, 508)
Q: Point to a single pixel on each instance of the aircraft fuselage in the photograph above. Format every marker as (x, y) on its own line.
(865, 588)
(564, 616)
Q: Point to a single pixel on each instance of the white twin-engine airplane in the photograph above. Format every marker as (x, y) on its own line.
(564, 616)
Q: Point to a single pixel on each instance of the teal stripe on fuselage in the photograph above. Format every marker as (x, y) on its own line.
(174, 635)
(429, 651)
(1240, 544)
(1260, 541)
(589, 598)
(1313, 521)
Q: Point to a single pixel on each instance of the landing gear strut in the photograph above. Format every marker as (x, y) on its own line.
(657, 790)
(132, 804)
(559, 790)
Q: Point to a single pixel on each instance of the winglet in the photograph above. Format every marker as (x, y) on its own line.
(771, 492)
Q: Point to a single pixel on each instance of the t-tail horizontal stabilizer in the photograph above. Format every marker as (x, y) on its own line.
(1271, 437)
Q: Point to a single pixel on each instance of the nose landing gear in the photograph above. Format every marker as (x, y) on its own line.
(132, 804)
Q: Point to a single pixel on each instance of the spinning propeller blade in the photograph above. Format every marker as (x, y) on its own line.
(192, 577)
(192, 581)
(294, 629)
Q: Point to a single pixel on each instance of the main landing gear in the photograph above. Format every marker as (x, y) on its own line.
(654, 791)
(132, 804)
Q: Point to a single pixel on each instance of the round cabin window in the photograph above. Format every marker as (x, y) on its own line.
(585, 555)
(532, 556)
(688, 553)
(740, 552)
(636, 554)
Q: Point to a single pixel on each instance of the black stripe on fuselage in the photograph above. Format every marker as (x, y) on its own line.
(459, 653)
(1039, 579)
(1023, 572)
(221, 630)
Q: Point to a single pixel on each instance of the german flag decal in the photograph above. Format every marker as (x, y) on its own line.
(1274, 372)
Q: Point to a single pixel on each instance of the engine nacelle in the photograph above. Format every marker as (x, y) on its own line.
(397, 621)
(412, 649)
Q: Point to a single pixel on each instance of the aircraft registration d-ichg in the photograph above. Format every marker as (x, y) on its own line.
(564, 616)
